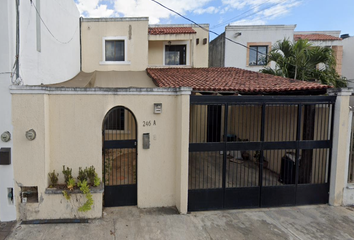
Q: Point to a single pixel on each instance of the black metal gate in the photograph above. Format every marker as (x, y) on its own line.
(119, 158)
(259, 151)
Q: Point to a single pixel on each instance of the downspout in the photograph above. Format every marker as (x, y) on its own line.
(17, 39)
(80, 44)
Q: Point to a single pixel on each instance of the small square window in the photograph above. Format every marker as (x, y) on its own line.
(258, 55)
(114, 50)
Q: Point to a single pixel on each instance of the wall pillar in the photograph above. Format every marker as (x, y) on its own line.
(341, 129)
(182, 145)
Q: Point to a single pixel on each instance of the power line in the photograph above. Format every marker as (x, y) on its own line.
(210, 31)
(39, 15)
(239, 16)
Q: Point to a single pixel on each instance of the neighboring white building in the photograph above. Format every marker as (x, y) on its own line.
(348, 60)
(225, 53)
(45, 56)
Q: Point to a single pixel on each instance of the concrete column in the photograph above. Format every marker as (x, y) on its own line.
(182, 145)
(341, 128)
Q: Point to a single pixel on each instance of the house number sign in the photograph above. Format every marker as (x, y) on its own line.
(149, 123)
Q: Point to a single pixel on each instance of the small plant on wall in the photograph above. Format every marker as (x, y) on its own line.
(53, 177)
(86, 178)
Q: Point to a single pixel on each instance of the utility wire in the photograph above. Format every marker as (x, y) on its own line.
(49, 30)
(239, 16)
(210, 31)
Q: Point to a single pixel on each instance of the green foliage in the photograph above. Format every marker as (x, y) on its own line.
(82, 175)
(84, 188)
(71, 184)
(87, 205)
(107, 169)
(53, 178)
(66, 195)
(91, 174)
(301, 60)
(67, 174)
(97, 181)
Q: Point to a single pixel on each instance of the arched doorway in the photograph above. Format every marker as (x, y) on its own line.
(119, 157)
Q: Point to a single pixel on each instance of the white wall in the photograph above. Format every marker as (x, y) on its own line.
(7, 57)
(56, 62)
(236, 55)
(348, 60)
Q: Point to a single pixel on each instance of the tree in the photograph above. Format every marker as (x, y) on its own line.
(303, 61)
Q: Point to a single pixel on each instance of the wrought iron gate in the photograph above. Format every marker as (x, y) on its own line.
(259, 151)
(119, 158)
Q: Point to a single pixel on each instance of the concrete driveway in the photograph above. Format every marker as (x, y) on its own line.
(309, 222)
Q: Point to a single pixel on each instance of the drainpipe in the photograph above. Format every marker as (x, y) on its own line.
(17, 39)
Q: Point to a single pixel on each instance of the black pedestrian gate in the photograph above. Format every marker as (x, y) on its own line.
(259, 151)
(119, 158)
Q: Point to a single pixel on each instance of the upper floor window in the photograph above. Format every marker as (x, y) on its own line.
(114, 50)
(175, 54)
(258, 55)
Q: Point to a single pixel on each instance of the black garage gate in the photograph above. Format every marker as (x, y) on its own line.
(259, 151)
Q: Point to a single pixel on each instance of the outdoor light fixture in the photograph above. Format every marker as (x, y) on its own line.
(157, 108)
(31, 134)
(6, 136)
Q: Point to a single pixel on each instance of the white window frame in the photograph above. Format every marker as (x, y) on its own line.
(187, 43)
(125, 50)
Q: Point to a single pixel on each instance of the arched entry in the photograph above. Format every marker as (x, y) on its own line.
(119, 157)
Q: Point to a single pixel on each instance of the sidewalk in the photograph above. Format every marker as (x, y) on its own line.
(309, 222)
(5, 229)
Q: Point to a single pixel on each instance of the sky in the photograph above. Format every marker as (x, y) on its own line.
(308, 15)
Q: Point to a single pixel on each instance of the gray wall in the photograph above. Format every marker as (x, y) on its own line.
(217, 51)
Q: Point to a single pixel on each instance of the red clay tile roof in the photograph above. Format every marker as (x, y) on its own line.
(316, 37)
(171, 30)
(229, 79)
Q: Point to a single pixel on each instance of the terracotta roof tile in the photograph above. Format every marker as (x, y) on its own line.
(316, 37)
(171, 30)
(229, 79)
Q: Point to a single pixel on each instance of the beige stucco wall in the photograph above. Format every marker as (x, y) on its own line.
(69, 132)
(198, 53)
(134, 29)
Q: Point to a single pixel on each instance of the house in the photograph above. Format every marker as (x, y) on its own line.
(225, 53)
(347, 63)
(329, 39)
(255, 42)
(163, 129)
(31, 54)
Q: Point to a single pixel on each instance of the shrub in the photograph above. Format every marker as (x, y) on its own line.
(67, 174)
(82, 175)
(53, 178)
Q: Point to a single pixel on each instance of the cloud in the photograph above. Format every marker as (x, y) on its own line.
(138, 8)
(210, 10)
(257, 12)
(254, 21)
(252, 11)
(92, 8)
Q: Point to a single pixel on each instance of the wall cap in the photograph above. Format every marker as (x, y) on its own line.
(99, 189)
(340, 91)
(98, 90)
(118, 19)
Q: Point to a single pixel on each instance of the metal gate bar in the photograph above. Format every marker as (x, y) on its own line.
(283, 138)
